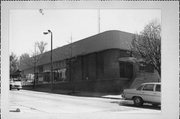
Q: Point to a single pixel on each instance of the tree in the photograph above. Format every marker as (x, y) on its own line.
(27, 60)
(147, 45)
(41, 46)
(37, 55)
(13, 63)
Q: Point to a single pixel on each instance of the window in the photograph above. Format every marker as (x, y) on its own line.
(122, 70)
(158, 88)
(148, 87)
(126, 70)
(40, 69)
(140, 87)
(60, 74)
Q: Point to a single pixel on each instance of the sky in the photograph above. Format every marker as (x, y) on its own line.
(27, 26)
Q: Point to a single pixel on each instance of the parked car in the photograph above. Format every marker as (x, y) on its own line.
(15, 83)
(145, 93)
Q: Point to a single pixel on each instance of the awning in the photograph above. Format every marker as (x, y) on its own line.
(128, 59)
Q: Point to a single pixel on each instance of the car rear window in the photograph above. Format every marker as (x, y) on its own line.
(158, 88)
(148, 87)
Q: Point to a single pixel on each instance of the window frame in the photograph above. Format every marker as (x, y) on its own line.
(123, 68)
(147, 85)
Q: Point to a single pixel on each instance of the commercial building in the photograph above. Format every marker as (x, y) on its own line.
(102, 62)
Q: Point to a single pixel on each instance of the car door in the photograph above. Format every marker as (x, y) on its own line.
(148, 92)
(139, 91)
(157, 94)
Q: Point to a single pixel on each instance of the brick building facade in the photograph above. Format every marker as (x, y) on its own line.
(102, 62)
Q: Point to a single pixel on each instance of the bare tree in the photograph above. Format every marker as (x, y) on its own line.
(32, 61)
(27, 60)
(147, 45)
(13, 63)
(41, 46)
(37, 56)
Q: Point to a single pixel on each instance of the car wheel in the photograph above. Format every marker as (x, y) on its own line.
(10, 87)
(138, 101)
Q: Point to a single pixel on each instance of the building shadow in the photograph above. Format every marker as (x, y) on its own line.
(75, 93)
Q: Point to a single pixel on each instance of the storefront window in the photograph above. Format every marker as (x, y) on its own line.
(126, 69)
(60, 75)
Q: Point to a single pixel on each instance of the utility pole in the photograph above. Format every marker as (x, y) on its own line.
(99, 19)
(51, 74)
(70, 56)
(71, 79)
(34, 83)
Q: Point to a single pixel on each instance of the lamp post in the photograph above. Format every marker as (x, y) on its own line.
(35, 61)
(51, 75)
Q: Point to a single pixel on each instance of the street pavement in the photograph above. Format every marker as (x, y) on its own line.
(26, 104)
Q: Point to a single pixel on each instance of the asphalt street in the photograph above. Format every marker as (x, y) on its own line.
(54, 106)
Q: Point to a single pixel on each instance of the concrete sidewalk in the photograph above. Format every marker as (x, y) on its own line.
(100, 95)
(113, 96)
(81, 93)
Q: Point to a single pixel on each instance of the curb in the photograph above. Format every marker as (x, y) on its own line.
(112, 98)
(89, 95)
(77, 93)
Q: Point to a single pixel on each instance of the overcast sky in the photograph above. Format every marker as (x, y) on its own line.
(27, 26)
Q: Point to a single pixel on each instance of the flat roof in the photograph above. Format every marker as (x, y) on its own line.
(112, 39)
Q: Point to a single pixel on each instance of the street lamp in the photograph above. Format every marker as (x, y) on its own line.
(51, 75)
(35, 61)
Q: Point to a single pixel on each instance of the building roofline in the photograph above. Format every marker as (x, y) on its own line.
(112, 39)
(89, 38)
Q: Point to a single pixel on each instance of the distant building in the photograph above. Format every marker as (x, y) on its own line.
(102, 62)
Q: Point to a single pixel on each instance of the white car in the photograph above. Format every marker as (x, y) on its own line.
(145, 93)
(15, 83)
